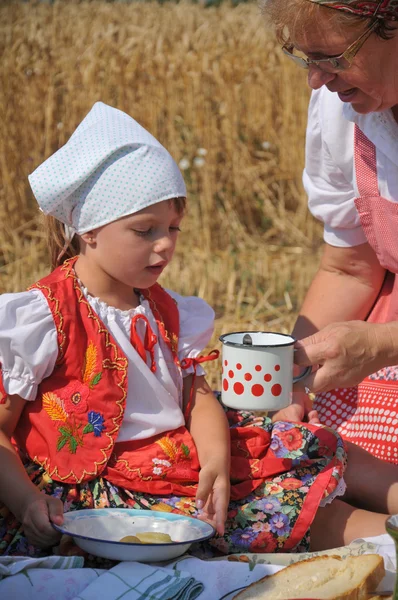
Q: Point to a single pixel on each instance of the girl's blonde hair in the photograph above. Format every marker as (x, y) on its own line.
(60, 250)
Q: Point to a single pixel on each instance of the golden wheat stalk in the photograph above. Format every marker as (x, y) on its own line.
(53, 407)
(169, 447)
(90, 362)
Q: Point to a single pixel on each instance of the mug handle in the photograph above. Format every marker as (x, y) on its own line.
(304, 374)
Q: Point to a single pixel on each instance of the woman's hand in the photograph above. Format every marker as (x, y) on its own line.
(347, 353)
(37, 515)
(212, 497)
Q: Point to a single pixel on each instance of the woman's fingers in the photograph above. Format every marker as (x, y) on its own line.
(333, 374)
(346, 353)
(323, 380)
(310, 352)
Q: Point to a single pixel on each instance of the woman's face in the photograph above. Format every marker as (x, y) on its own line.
(371, 83)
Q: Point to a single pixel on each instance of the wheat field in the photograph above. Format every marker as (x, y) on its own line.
(214, 88)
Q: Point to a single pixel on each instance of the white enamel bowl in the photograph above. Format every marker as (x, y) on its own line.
(98, 531)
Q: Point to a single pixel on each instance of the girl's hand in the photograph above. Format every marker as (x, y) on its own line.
(346, 353)
(38, 514)
(212, 497)
(300, 410)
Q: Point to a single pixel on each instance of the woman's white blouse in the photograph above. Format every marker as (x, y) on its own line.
(29, 350)
(329, 174)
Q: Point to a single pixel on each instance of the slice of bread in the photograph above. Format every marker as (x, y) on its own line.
(322, 577)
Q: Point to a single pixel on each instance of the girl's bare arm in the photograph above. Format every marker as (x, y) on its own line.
(208, 426)
(34, 509)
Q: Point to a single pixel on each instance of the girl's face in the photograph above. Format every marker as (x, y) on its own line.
(133, 251)
(371, 83)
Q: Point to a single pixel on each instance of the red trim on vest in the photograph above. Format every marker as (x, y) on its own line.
(3, 394)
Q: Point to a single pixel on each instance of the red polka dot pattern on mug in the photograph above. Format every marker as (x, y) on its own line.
(257, 389)
(242, 378)
(276, 389)
(258, 370)
(238, 388)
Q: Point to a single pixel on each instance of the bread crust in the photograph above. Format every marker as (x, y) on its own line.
(358, 592)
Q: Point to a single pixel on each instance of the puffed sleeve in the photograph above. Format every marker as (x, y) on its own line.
(196, 327)
(328, 173)
(28, 342)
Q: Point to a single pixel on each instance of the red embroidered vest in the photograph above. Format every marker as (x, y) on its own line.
(72, 426)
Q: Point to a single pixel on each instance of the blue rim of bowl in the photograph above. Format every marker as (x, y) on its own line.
(166, 544)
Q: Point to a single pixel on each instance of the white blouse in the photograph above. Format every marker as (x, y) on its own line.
(29, 350)
(329, 175)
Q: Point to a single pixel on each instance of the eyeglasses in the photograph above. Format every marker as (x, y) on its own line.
(333, 63)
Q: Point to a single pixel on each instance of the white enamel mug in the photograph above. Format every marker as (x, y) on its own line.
(257, 370)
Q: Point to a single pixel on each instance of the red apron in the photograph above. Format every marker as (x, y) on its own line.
(367, 414)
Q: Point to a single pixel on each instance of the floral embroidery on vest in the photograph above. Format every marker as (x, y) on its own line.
(90, 364)
(73, 401)
(177, 453)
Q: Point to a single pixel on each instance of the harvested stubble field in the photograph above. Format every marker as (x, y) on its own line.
(213, 87)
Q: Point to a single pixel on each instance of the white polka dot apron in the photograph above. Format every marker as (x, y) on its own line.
(367, 414)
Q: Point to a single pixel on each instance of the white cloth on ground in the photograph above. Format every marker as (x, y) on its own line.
(219, 577)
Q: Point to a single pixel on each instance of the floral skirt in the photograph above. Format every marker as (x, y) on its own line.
(262, 522)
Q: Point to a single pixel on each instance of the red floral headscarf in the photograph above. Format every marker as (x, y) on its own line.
(386, 9)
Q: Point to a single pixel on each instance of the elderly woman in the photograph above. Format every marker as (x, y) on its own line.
(349, 318)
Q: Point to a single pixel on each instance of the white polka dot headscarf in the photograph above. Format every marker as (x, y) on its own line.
(111, 167)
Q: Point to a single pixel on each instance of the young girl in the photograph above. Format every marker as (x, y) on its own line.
(103, 395)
